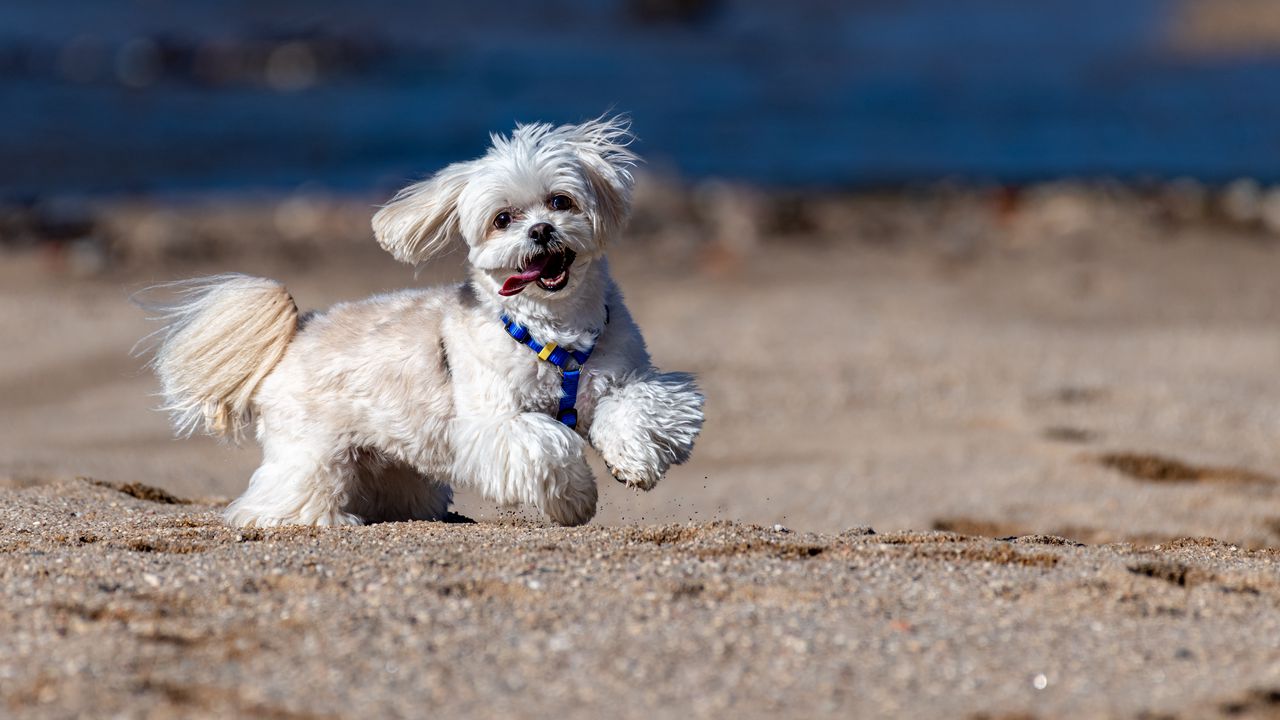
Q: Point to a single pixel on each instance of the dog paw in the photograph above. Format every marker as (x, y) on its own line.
(647, 425)
(246, 518)
(339, 519)
(640, 478)
(574, 504)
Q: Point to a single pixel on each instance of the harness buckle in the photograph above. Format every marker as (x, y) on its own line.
(560, 358)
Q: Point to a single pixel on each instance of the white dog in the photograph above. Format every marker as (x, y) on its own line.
(372, 410)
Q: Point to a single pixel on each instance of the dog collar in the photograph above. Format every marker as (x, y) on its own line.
(561, 358)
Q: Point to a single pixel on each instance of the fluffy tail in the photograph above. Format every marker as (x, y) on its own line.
(222, 335)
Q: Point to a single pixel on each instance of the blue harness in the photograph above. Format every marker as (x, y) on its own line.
(560, 357)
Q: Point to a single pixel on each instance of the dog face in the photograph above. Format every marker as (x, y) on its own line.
(539, 204)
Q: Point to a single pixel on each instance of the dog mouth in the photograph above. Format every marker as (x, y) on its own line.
(549, 269)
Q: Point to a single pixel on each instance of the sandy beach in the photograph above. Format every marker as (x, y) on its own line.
(1059, 412)
(124, 606)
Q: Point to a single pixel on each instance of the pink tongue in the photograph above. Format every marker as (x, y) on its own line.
(531, 272)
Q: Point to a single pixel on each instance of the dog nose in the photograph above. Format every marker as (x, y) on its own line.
(541, 233)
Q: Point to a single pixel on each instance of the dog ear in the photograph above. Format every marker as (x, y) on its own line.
(422, 219)
(603, 146)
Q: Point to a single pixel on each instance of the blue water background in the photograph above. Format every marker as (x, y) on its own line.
(812, 93)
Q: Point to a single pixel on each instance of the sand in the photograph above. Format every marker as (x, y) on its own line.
(1059, 414)
(117, 605)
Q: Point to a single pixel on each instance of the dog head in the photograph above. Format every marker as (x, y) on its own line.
(540, 204)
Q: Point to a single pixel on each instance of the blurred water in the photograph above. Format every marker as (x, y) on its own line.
(147, 95)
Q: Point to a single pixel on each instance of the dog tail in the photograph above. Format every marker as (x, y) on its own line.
(222, 335)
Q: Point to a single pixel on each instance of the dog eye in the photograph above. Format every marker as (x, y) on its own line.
(560, 202)
(502, 220)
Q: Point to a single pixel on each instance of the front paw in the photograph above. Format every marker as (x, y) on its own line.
(639, 475)
(571, 499)
(646, 426)
(548, 468)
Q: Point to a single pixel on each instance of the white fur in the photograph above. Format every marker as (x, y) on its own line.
(221, 338)
(375, 409)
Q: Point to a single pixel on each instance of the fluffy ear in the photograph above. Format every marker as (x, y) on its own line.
(603, 146)
(422, 219)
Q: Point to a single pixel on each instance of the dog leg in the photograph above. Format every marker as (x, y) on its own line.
(296, 488)
(645, 424)
(527, 458)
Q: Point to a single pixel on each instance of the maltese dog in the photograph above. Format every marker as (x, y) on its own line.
(374, 410)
